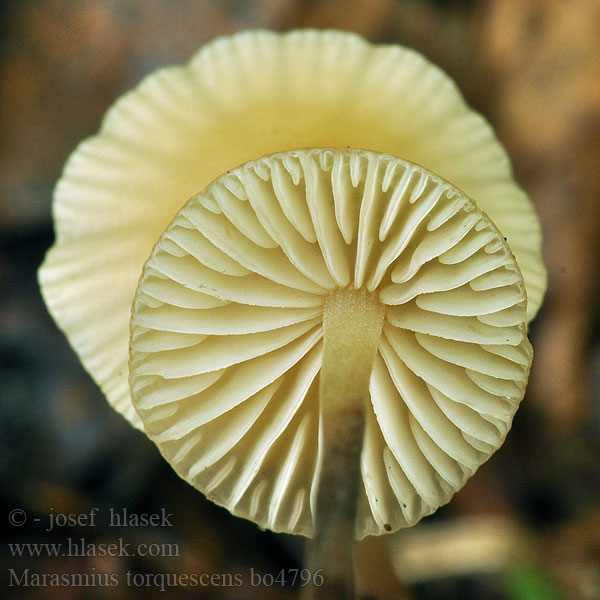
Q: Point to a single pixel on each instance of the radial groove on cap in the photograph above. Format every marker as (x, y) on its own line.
(225, 361)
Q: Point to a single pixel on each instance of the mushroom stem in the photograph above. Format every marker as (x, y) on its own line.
(352, 320)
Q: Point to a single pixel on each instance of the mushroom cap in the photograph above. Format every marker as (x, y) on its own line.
(240, 98)
(226, 335)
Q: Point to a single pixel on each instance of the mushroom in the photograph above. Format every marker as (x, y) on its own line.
(329, 337)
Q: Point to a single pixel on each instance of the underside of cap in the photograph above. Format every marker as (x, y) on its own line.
(240, 98)
(226, 335)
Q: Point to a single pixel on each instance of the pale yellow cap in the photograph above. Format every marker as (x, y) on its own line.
(249, 96)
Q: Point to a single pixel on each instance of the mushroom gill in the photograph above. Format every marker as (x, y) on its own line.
(227, 328)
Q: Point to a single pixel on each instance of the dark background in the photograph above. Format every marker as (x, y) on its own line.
(527, 526)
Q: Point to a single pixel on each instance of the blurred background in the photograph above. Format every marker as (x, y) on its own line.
(527, 526)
